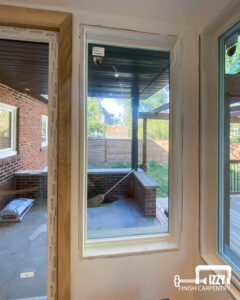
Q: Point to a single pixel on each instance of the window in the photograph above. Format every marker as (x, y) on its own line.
(44, 131)
(229, 146)
(128, 121)
(7, 130)
(130, 180)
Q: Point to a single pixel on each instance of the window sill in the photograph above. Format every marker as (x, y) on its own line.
(215, 259)
(129, 246)
(7, 154)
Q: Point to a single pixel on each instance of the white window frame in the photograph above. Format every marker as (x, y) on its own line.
(209, 141)
(44, 144)
(11, 151)
(144, 243)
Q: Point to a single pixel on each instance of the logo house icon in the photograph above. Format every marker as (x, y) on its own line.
(222, 276)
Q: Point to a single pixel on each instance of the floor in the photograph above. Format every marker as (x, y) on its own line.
(235, 223)
(24, 248)
(124, 217)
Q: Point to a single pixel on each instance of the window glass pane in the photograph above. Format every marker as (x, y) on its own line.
(229, 154)
(44, 129)
(5, 129)
(128, 141)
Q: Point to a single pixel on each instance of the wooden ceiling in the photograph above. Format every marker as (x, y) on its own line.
(141, 70)
(24, 66)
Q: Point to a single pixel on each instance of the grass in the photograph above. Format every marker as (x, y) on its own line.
(154, 169)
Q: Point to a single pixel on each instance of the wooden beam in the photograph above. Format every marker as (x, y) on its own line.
(64, 158)
(161, 108)
(32, 18)
(153, 116)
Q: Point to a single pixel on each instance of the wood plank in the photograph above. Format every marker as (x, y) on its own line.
(154, 116)
(64, 158)
(32, 18)
(161, 108)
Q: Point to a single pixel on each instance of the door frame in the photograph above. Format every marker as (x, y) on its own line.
(60, 22)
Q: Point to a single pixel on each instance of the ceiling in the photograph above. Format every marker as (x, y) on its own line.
(24, 66)
(188, 12)
(125, 72)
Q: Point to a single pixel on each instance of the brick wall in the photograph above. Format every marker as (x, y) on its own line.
(33, 184)
(31, 155)
(146, 198)
(100, 181)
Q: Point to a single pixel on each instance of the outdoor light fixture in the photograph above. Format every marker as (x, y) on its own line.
(116, 72)
(97, 60)
(231, 51)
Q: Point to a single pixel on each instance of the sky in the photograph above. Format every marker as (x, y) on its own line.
(112, 106)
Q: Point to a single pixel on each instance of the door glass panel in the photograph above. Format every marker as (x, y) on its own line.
(229, 146)
(23, 173)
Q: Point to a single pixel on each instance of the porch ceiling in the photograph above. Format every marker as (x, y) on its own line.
(140, 71)
(24, 66)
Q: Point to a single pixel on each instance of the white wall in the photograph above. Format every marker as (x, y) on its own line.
(150, 276)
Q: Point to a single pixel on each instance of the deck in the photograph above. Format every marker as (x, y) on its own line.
(235, 223)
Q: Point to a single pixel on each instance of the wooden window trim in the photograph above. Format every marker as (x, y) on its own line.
(62, 23)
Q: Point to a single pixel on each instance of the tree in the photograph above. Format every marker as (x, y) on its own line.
(232, 64)
(96, 126)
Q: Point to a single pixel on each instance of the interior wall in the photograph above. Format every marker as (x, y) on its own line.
(150, 276)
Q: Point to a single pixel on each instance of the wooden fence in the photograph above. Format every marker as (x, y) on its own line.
(119, 150)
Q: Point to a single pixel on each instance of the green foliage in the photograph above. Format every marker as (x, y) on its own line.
(156, 129)
(160, 174)
(154, 101)
(232, 64)
(96, 127)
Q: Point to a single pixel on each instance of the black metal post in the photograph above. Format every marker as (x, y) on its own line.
(135, 108)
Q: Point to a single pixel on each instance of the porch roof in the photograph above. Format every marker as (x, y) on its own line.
(125, 72)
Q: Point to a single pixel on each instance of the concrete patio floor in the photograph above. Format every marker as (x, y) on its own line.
(124, 217)
(23, 248)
